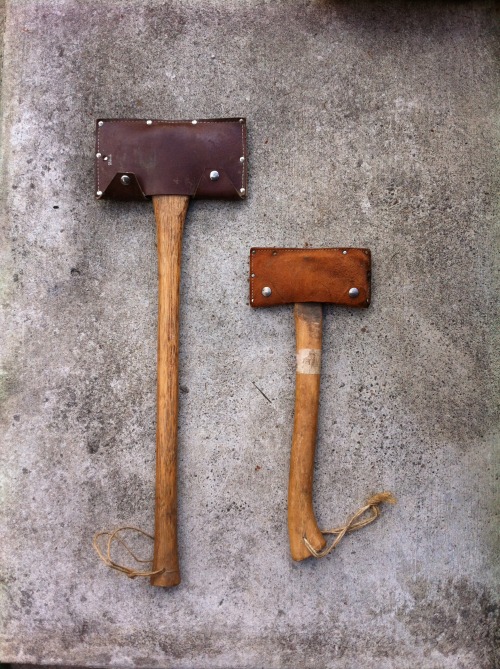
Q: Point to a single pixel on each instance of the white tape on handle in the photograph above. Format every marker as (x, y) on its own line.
(309, 361)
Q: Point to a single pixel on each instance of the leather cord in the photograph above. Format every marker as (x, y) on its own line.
(356, 522)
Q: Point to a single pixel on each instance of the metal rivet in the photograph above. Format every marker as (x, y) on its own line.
(149, 122)
(125, 179)
(101, 123)
(275, 253)
(353, 292)
(194, 122)
(242, 159)
(242, 191)
(266, 291)
(253, 252)
(344, 252)
(242, 120)
(99, 193)
(98, 155)
(214, 175)
(253, 276)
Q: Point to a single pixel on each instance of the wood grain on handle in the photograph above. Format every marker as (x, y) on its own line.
(301, 519)
(170, 214)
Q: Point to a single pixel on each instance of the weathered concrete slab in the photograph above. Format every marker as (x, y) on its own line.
(371, 124)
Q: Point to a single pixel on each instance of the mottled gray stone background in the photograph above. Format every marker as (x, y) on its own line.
(370, 124)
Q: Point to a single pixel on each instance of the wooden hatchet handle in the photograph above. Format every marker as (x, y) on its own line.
(301, 520)
(170, 214)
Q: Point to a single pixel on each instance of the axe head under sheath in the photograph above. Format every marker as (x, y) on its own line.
(330, 276)
(200, 158)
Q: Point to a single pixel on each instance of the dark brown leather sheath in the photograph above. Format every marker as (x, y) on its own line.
(203, 158)
(283, 276)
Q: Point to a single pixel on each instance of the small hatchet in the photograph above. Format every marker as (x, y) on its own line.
(170, 162)
(307, 278)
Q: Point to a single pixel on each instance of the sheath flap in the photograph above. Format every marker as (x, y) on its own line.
(283, 276)
(201, 158)
(124, 187)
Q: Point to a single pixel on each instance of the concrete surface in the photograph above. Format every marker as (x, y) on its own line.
(370, 124)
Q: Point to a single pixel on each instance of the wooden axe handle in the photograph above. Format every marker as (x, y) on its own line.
(170, 214)
(301, 520)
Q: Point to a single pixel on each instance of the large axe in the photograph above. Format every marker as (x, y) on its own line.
(170, 162)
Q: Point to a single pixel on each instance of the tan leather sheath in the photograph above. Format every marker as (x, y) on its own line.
(283, 276)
